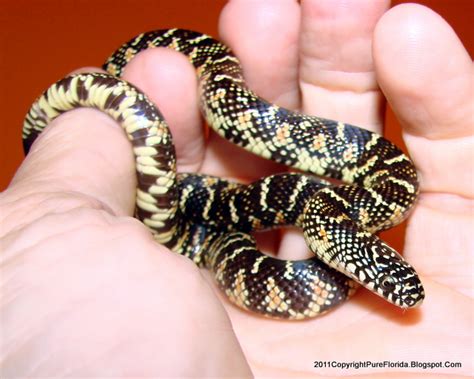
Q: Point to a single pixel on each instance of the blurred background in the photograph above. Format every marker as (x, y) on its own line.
(42, 40)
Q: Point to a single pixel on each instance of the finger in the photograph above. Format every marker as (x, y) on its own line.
(336, 68)
(170, 81)
(83, 155)
(430, 89)
(263, 35)
(337, 79)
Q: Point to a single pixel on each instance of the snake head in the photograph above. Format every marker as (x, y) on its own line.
(391, 277)
(369, 261)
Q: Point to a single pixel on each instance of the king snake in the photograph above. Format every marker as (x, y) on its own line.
(210, 220)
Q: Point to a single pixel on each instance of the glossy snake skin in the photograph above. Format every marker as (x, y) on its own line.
(210, 219)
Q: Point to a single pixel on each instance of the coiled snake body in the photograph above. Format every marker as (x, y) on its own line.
(209, 219)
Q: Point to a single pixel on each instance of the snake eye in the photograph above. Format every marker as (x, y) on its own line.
(387, 283)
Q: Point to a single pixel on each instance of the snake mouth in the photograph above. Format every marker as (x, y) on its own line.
(413, 294)
(412, 302)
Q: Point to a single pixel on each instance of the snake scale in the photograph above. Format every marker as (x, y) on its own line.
(210, 219)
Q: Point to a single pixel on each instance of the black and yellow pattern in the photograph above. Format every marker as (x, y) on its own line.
(208, 219)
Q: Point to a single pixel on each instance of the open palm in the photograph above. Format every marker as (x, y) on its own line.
(331, 59)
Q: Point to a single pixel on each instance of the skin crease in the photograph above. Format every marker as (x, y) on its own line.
(127, 307)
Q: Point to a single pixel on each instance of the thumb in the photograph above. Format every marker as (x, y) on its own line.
(430, 90)
(82, 155)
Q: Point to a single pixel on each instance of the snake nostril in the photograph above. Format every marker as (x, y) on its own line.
(413, 294)
(409, 301)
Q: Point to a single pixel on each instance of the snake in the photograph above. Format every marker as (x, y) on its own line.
(345, 185)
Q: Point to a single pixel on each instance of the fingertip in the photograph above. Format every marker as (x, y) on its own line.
(83, 152)
(170, 81)
(264, 36)
(336, 66)
(424, 70)
(426, 75)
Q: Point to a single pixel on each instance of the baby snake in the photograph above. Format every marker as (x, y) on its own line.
(210, 219)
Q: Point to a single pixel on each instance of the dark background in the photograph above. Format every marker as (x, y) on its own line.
(42, 40)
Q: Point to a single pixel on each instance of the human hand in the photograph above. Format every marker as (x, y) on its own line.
(113, 272)
(329, 59)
